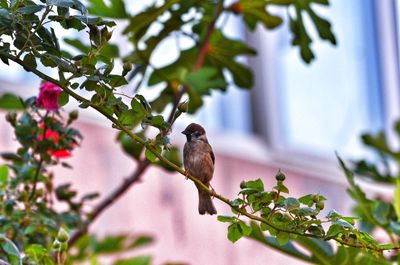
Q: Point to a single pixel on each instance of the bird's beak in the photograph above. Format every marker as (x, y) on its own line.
(184, 132)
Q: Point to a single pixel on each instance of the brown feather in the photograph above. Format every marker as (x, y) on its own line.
(199, 159)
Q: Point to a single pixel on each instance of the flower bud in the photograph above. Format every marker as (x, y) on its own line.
(106, 34)
(320, 205)
(237, 8)
(73, 115)
(126, 68)
(242, 184)
(64, 246)
(56, 245)
(280, 176)
(109, 35)
(62, 235)
(11, 117)
(183, 107)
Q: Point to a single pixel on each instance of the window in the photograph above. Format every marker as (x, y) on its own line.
(319, 108)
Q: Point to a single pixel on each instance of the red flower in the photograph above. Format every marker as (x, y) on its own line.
(55, 137)
(48, 96)
(61, 153)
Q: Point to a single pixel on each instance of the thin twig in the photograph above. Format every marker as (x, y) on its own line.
(35, 179)
(40, 24)
(201, 57)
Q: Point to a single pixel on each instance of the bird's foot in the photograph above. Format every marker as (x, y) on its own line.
(186, 175)
(213, 193)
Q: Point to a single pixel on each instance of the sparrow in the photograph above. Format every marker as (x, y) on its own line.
(199, 160)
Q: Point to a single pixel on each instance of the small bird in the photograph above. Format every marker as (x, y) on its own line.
(199, 159)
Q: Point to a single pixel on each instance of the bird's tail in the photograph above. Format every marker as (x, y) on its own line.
(205, 203)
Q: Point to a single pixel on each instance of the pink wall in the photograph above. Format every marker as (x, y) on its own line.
(165, 205)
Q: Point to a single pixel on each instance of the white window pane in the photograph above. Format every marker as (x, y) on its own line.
(325, 106)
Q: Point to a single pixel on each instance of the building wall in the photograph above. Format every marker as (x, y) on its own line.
(165, 205)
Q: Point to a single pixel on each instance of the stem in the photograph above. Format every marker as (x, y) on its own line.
(46, 12)
(39, 166)
(202, 54)
(35, 179)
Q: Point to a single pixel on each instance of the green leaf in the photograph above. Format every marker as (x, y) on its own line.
(117, 80)
(10, 102)
(116, 9)
(291, 203)
(141, 241)
(242, 75)
(30, 61)
(205, 79)
(3, 176)
(282, 238)
(223, 54)
(36, 252)
(307, 200)
(246, 230)
(140, 23)
(130, 118)
(141, 260)
(333, 215)
(333, 231)
(258, 14)
(63, 65)
(323, 26)
(150, 155)
(381, 212)
(234, 233)
(75, 4)
(78, 44)
(11, 249)
(5, 17)
(63, 98)
(237, 202)
(195, 101)
(281, 188)
(226, 219)
(172, 154)
(343, 223)
(130, 146)
(27, 10)
(396, 199)
(111, 244)
(254, 184)
(158, 122)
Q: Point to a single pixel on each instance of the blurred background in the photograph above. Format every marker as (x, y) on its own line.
(294, 119)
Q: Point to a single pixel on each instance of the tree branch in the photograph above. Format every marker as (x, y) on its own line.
(179, 169)
(202, 55)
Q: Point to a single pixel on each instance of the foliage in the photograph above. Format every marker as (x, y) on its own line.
(32, 230)
(290, 220)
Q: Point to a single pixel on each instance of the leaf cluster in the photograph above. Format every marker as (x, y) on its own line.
(287, 220)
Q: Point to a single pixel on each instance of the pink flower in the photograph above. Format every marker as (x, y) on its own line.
(48, 96)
